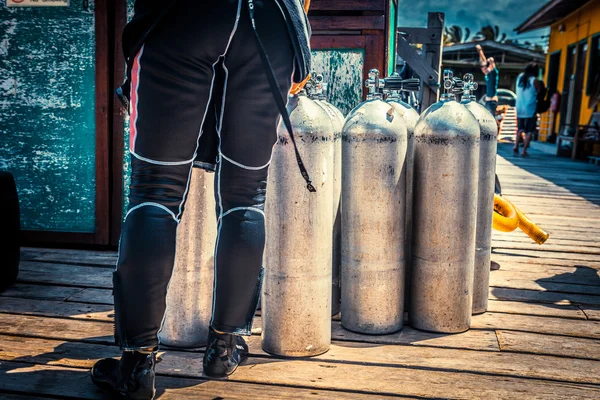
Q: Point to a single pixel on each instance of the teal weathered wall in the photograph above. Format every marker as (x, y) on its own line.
(342, 69)
(47, 113)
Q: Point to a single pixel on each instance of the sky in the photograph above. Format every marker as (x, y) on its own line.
(507, 14)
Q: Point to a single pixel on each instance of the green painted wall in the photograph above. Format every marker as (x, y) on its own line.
(391, 61)
(47, 113)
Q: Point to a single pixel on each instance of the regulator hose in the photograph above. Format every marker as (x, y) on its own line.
(507, 217)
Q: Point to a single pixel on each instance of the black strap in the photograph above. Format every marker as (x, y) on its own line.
(276, 90)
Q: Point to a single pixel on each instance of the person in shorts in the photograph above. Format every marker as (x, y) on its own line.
(526, 106)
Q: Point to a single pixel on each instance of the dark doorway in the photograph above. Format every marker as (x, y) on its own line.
(574, 75)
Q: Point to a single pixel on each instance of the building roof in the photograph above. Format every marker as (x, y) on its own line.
(510, 52)
(551, 12)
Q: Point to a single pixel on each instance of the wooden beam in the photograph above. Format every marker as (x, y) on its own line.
(348, 23)
(347, 5)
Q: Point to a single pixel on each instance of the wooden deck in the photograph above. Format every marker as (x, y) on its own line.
(540, 339)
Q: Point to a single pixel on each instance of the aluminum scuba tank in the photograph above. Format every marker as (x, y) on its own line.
(296, 303)
(411, 116)
(488, 144)
(190, 294)
(316, 91)
(446, 164)
(373, 196)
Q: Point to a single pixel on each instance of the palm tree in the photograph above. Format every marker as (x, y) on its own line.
(454, 34)
(491, 32)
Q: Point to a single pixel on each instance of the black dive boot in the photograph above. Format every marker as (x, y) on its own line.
(224, 353)
(132, 377)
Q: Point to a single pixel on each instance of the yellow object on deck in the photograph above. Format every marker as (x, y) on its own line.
(507, 217)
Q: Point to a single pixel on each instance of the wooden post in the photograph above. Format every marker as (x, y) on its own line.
(433, 56)
(428, 64)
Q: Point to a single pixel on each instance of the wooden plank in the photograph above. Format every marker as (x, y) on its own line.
(555, 262)
(5, 396)
(347, 23)
(547, 254)
(352, 377)
(546, 310)
(347, 5)
(27, 291)
(548, 246)
(542, 297)
(75, 383)
(593, 314)
(82, 257)
(93, 296)
(49, 308)
(573, 275)
(83, 355)
(528, 323)
(65, 275)
(497, 280)
(534, 343)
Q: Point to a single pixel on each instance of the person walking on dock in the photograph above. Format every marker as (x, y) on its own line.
(526, 106)
(233, 61)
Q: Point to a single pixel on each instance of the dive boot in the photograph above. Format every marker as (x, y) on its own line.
(131, 377)
(224, 353)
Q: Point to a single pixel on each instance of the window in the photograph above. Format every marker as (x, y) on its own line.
(594, 66)
(553, 69)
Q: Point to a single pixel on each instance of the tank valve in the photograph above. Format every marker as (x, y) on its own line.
(450, 84)
(469, 86)
(392, 83)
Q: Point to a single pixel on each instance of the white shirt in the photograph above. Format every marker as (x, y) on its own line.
(526, 98)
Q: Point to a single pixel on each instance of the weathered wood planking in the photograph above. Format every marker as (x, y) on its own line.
(542, 297)
(66, 275)
(62, 309)
(383, 379)
(591, 313)
(83, 355)
(48, 114)
(528, 323)
(535, 343)
(77, 257)
(543, 310)
(578, 276)
(75, 382)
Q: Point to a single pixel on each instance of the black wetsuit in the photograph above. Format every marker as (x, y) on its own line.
(198, 92)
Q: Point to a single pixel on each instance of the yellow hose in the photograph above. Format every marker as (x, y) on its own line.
(507, 217)
(531, 229)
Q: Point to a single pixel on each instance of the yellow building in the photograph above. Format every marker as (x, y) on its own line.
(573, 61)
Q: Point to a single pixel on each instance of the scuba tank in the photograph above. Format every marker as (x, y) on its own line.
(374, 141)
(488, 144)
(190, 294)
(316, 88)
(296, 303)
(446, 167)
(410, 116)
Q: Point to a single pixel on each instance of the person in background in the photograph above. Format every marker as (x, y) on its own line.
(527, 91)
(488, 67)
